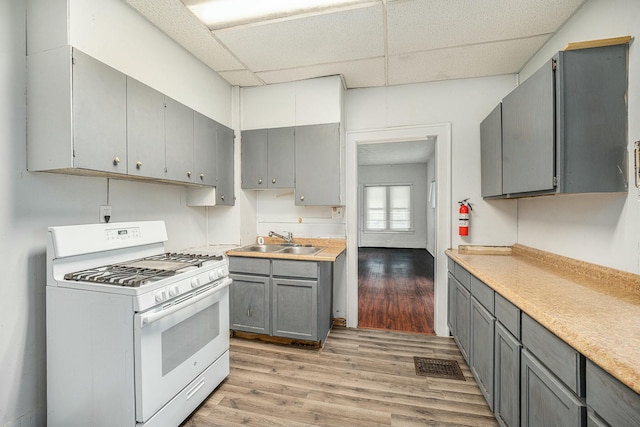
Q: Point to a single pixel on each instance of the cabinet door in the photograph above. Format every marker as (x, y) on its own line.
(249, 304)
(99, 116)
(145, 130)
(546, 402)
(317, 165)
(491, 153)
(295, 308)
(204, 149)
(507, 377)
(178, 120)
(253, 161)
(463, 321)
(280, 158)
(451, 302)
(225, 194)
(528, 142)
(481, 348)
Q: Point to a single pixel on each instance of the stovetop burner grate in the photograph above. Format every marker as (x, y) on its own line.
(139, 272)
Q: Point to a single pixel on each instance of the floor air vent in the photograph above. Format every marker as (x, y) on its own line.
(438, 368)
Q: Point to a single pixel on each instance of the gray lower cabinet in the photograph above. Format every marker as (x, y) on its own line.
(507, 377)
(295, 308)
(451, 301)
(283, 298)
(249, 303)
(463, 319)
(482, 348)
(610, 402)
(546, 401)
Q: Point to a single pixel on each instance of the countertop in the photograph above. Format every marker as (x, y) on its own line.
(333, 248)
(594, 309)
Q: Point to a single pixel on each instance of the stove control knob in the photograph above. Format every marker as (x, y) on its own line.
(174, 291)
(213, 275)
(195, 282)
(161, 295)
(221, 272)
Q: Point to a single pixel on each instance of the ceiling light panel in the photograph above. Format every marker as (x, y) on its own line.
(417, 25)
(217, 14)
(346, 35)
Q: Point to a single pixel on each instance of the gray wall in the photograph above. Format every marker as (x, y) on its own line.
(415, 174)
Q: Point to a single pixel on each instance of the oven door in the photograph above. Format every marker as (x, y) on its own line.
(174, 344)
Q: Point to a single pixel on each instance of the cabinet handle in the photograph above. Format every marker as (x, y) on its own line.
(116, 160)
(222, 197)
(138, 164)
(302, 198)
(189, 174)
(273, 181)
(259, 181)
(201, 176)
(249, 312)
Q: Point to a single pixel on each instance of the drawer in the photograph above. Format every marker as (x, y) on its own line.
(284, 268)
(249, 265)
(483, 293)
(463, 276)
(613, 401)
(508, 314)
(559, 357)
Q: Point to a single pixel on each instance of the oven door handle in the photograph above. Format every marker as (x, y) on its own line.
(150, 318)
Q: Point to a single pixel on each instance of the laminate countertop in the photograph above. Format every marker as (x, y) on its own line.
(594, 309)
(332, 249)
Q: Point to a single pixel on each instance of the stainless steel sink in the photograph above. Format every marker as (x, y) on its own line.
(282, 249)
(261, 248)
(301, 250)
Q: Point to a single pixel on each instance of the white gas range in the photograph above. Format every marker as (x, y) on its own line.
(135, 335)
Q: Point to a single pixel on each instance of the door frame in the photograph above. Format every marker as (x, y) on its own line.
(442, 135)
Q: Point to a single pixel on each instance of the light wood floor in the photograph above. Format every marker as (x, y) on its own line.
(395, 289)
(360, 378)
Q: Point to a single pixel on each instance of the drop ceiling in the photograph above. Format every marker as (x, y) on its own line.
(376, 43)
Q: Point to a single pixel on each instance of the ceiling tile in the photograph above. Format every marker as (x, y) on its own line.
(174, 19)
(363, 73)
(344, 35)
(242, 78)
(417, 25)
(489, 59)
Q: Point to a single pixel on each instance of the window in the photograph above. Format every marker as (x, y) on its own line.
(387, 208)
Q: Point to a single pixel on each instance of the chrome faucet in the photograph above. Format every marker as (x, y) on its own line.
(288, 238)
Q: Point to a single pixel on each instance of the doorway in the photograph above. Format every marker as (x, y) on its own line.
(441, 135)
(395, 219)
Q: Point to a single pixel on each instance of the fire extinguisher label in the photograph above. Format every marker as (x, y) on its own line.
(464, 217)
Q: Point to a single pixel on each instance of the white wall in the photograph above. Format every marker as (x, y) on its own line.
(33, 201)
(463, 104)
(413, 174)
(603, 229)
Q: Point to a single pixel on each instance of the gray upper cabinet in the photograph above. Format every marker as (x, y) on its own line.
(77, 115)
(145, 130)
(178, 141)
(225, 194)
(204, 151)
(564, 129)
(267, 158)
(491, 153)
(317, 163)
(528, 137)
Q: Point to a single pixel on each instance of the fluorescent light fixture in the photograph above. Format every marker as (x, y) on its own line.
(217, 14)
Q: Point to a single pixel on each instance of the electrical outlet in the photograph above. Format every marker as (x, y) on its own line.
(337, 212)
(105, 213)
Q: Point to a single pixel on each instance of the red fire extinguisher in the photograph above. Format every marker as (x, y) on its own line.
(463, 226)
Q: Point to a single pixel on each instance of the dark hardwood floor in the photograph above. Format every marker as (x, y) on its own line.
(395, 289)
